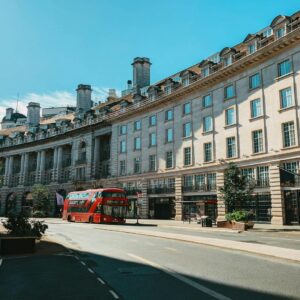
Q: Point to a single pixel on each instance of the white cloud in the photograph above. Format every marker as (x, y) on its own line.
(57, 98)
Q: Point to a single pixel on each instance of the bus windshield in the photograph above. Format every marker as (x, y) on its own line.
(115, 211)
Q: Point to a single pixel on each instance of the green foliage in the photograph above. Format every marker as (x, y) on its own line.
(39, 214)
(11, 204)
(236, 189)
(239, 216)
(19, 225)
(41, 202)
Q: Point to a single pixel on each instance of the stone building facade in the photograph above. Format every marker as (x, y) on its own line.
(168, 143)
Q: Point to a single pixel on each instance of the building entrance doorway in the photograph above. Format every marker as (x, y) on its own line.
(162, 208)
(292, 207)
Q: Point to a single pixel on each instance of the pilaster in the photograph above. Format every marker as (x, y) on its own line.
(178, 198)
(277, 203)
(220, 201)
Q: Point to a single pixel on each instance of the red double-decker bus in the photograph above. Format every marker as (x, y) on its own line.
(107, 205)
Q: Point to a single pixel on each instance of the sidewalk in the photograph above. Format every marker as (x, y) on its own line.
(257, 226)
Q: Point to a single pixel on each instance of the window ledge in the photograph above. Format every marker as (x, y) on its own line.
(256, 118)
(290, 147)
(283, 76)
(227, 99)
(286, 108)
(207, 132)
(258, 153)
(230, 126)
(166, 142)
(171, 168)
(187, 166)
(231, 158)
(187, 137)
(253, 89)
(209, 162)
(206, 107)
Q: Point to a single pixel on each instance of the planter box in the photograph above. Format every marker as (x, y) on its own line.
(16, 245)
(241, 226)
(224, 224)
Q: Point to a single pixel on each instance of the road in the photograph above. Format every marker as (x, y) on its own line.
(143, 267)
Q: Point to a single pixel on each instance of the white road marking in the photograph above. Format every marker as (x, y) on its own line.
(76, 257)
(83, 263)
(100, 280)
(171, 249)
(114, 294)
(91, 271)
(186, 280)
(1, 261)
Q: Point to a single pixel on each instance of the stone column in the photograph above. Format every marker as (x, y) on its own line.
(21, 179)
(25, 166)
(42, 165)
(59, 161)
(220, 202)
(178, 198)
(6, 178)
(54, 173)
(277, 203)
(96, 156)
(37, 171)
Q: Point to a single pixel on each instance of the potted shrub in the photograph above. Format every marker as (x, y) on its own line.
(21, 234)
(240, 219)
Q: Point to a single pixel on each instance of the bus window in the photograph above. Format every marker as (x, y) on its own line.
(113, 195)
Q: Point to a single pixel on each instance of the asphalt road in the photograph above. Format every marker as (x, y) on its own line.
(142, 267)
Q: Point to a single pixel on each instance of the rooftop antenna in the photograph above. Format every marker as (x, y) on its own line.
(18, 96)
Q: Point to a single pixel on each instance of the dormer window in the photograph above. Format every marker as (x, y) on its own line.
(251, 48)
(205, 71)
(185, 81)
(168, 89)
(227, 60)
(152, 96)
(280, 32)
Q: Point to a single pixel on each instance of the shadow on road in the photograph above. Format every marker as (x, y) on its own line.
(54, 273)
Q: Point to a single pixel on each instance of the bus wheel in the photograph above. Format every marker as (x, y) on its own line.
(69, 218)
(90, 219)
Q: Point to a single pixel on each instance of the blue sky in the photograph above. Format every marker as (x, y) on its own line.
(49, 46)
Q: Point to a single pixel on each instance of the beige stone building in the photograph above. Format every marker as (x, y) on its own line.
(168, 143)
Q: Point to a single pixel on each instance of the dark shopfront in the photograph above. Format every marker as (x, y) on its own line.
(194, 207)
(162, 208)
(292, 207)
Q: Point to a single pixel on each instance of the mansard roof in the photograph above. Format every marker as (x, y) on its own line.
(250, 37)
(206, 62)
(227, 50)
(279, 19)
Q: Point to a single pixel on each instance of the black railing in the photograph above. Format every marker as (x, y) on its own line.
(199, 188)
(64, 176)
(29, 179)
(66, 162)
(46, 177)
(262, 183)
(81, 161)
(161, 190)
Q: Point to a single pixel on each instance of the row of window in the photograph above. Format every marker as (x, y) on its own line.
(288, 130)
(231, 150)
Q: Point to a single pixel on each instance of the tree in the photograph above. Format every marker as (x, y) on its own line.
(41, 202)
(236, 189)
